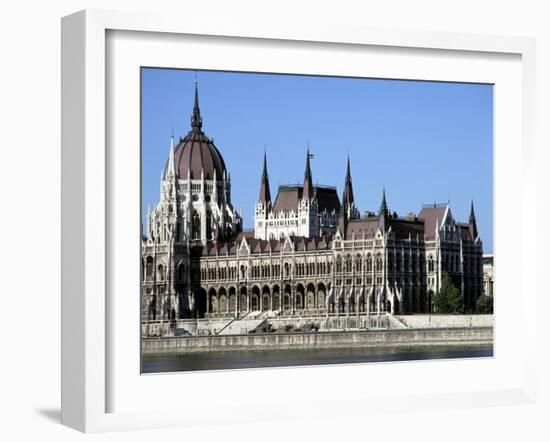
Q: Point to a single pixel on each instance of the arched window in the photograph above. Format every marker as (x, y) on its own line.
(149, 268)
(358, 263)
(348, 263)
(430, 264)
(160, 273)
(243, 272)
(287, 270)
(181, 272)
(338, 264)
(196, 225)
(369, 263)
(209, 225)
(378, 262)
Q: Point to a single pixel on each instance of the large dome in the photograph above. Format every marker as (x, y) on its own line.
(196, 153)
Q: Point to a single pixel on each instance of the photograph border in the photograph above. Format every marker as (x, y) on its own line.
(85, 313)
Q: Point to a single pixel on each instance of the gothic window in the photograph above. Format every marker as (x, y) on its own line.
(430, 264)
(160, 273)
(181, 272)
(348, 263)
(338, 264)
(369, 263)
(358, 263)
(390, 262)
(378, 262)
(243, 272)
(209, 225)
(196, 225)
(149, 268)
(287, 270)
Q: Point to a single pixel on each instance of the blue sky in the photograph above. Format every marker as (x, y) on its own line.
(423, 141)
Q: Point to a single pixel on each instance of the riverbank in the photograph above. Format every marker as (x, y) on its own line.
(471, 337)
(271, 358)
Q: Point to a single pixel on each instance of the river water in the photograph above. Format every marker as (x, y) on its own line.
(223, 360)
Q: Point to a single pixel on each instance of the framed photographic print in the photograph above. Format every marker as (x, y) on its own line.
(286, 210)
(304, 276)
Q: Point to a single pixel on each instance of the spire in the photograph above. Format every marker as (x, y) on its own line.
(265, 194)
(171, 159)
(383, 214)
(347, 198)
(196, 119)
(308, 182)
(472, 222)
(384, 205)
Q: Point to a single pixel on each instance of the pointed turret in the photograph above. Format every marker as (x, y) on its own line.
(347, 198)
(171, 160)
(383, 214)
(308, 182)
(196, 119)
(265, 194)
(472, 223)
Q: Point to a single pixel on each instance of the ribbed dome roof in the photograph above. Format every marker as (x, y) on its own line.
(196, 153)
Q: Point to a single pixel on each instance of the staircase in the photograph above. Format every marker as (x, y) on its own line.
(396, 323)
(242, 326)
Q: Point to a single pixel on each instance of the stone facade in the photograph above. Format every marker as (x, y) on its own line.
(309, 253)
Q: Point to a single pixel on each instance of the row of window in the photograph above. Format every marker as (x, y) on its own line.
(301, 269)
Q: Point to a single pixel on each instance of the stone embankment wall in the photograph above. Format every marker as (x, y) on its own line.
(387, 338)
(195, 327)
(208, 327)
(332, 323)
(440, 321)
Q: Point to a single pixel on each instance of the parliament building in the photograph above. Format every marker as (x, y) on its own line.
(310, 253)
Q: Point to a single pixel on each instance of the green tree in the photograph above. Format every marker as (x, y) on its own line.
(484, 304)
(448, 299)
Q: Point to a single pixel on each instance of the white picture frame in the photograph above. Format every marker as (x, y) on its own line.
(87, 320)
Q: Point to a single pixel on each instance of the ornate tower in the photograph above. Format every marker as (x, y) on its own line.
(263, 207)
(308, 219)
(194, 210)
(348, 202)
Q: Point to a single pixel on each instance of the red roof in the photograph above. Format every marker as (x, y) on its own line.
(289, 196)
(432, 216)
(358, 227)
(197, 153)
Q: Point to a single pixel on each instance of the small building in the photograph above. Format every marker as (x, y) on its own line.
(488, 278)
